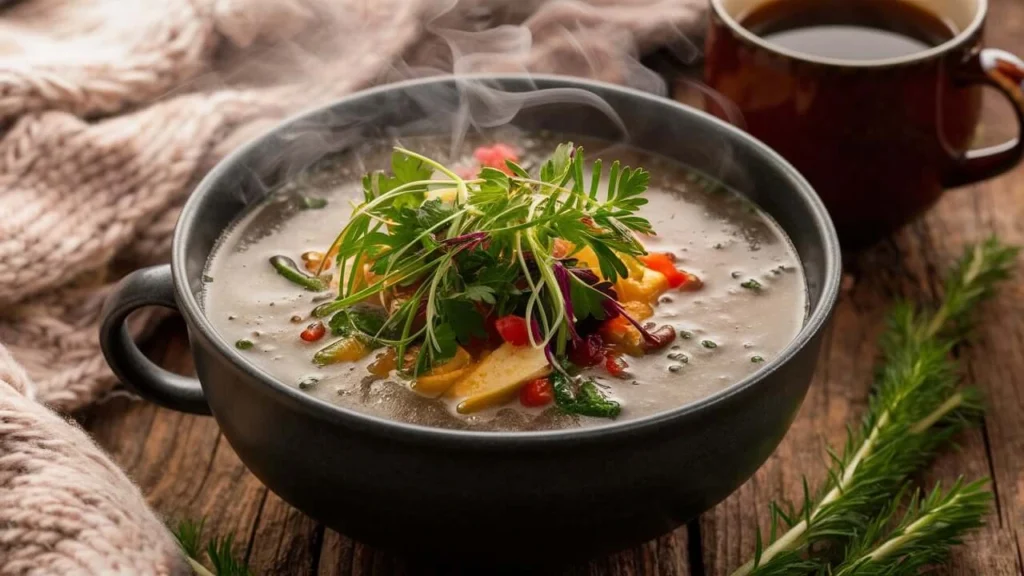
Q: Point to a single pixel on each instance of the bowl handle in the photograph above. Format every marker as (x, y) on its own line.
(146, 287)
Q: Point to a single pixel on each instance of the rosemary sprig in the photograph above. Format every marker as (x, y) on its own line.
(189, 534)
(916, 408)
(924, 535)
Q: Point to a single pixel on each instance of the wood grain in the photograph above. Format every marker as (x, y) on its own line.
(187, 469)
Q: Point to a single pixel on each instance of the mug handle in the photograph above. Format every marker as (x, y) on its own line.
(1005, 72)
(146, 287)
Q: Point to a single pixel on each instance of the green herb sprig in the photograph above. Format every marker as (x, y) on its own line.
(218, 551)
(923, 536)
(915, 410)
(491, 241)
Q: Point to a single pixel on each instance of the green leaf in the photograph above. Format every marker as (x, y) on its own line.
(408, 169)
(587, 301)
(462, 317)
(432, 212)
(556, 169)
(447, 345)
(364, 319)
(587, 401)
(479, 293)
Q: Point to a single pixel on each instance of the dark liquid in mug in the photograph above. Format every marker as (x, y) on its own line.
(849, 29)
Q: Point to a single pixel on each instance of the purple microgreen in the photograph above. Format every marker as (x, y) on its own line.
(562, 275)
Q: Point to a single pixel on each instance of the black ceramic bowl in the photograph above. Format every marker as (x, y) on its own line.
(471, 496)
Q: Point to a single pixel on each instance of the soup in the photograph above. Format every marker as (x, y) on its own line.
(507, 288)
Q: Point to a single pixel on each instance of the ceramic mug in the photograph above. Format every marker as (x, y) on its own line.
(880, 140)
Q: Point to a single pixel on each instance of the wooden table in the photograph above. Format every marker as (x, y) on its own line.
(187, 469)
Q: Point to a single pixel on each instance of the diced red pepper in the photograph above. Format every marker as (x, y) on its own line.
(536, 393)
(616, 366)
(661, 262)
(313, 332)
(513, 329)
(588, 352)
(495, 156)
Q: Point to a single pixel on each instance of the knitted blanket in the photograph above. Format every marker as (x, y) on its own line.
(112, 110)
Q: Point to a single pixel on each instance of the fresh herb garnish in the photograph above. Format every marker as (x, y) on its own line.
(370, 321)
(587, 400)
(454, 245)
(757, 359)
(243, 344)
(752, 285)
(710, 344)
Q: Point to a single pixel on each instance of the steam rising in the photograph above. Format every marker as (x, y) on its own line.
(599, 39)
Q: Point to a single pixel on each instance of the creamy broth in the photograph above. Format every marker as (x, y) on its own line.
(752, 303)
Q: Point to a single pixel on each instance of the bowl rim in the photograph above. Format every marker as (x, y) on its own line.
(190, 307)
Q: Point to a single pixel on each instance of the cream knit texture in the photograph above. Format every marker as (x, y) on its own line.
(111, 110)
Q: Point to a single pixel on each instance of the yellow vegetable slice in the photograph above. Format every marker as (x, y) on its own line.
(441, 378)
(433, 385)
(446, 195)
(498, 378)
(644, 288)
(589, 258)
(638, 311)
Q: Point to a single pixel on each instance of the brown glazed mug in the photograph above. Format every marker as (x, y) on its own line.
(879, 140)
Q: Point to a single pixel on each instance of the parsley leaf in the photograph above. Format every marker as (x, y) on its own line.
(464, 320)
(359, 318)
(587, 401)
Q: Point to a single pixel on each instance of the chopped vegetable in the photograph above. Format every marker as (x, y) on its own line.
(536, 393)
(616, 366)
(384, 363)
(497, 378)
(659, 338)
(588, 351)
(709, 344)
(513, 330)
(496, 156)
(348, 349)
(289, 271)
(586, 401)
(313, 332)
(663, 263)
(243, 344)
(314, 262)
(645, 288)
(757, 359)
(752, 285)
(441, 378)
